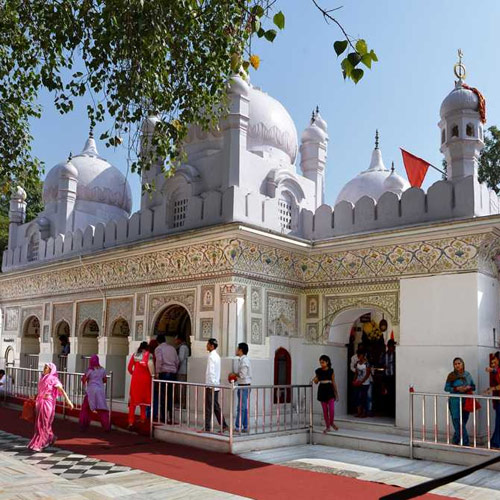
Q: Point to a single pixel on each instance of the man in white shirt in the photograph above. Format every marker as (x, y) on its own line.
(212, 377)
(244, 377)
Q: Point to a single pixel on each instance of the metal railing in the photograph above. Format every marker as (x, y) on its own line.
(22, 383)
(31, 361)
(269, 408)
(440, 419)
(62, 362)
(85, 362)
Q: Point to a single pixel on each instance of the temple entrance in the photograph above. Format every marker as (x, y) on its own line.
(88, 344)
(372, 330)
(116, 358)
(61, 330)
(30, 343)
(173, 320)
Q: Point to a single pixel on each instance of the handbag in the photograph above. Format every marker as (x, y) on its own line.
(471, 404)
(28, 413)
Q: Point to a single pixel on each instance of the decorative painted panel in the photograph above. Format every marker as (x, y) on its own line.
(139, 330)
(282, 315)
(62, 312)
(46, 312)
(256, 336)
(140, 304)
(119, 308)
(31, 311)
(313, 332)
(261, 261)
(256, 299)
(89, 310)
(206, 328)
(207, 298)
(45, 335)
(11, 318)
(157, 302)
(312, 306)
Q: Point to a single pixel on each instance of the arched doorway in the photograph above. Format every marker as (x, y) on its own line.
(61, 331)
(282, 375)
(173, 320)
(117, 354)
(9, 357)
(372, 329)
(30, 343)
(88, 343)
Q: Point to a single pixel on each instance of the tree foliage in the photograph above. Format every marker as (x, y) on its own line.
(172, 58)
(489, 162)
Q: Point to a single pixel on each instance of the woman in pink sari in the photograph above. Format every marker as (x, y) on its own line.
(95, 399)
(48, 388)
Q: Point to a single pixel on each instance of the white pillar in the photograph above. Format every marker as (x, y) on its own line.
(233, 318)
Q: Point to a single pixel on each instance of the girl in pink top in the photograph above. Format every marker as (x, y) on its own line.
(48, 388)
(95, 399)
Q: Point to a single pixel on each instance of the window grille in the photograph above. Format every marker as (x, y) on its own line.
(33, 249)
(179, 213)
(285, 214)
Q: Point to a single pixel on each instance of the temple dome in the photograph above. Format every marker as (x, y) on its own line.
(270, 128)
(459, 99)
(395, 183)
(98, 181)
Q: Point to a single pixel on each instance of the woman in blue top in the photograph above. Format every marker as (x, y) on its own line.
(459, 381)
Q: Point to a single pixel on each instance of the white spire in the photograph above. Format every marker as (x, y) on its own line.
(377, 162)
(90, 148)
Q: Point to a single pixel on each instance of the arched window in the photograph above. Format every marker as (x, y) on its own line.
(33, 247)
(282, 375)
(285, 211)
(90, 329)
(454, 131)
(469, 130)
(120, 328)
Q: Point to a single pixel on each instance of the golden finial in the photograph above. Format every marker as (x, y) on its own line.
(459, 68)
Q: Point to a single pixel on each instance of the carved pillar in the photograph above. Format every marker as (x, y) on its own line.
(233, 318)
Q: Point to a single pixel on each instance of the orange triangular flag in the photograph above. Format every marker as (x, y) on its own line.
(416, 168)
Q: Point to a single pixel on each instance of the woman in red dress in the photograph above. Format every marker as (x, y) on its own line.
(141, 368)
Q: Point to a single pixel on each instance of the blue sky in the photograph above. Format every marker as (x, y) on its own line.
(416, 42)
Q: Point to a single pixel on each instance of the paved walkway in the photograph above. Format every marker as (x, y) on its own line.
(121, 457)
(374, 467)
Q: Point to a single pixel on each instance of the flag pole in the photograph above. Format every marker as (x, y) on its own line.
(438, 169)
(430, 164)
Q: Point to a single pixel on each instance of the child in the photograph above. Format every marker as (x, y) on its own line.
(327, 391)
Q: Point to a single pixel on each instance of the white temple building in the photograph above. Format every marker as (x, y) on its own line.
(240, 245)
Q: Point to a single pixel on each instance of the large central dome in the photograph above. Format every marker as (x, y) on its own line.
(270, 128)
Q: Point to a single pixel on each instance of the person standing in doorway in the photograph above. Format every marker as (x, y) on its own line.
(362, 383)
(167, 364)
(65, 347)
(212, 378)
(327, 391)
(389, 363)
(244, 378)
(183, 354)
(459, 381)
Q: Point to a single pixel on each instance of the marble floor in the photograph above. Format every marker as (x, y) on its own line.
(386, 469)
(60, 474)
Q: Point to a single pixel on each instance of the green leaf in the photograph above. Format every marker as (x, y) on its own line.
(367, 60)
(258, 11)
(347, 67)
(361, 47)
(256, 26)
(357, 74)
(261, 32)
(340, 46)
(279, 20)
(270, 35)
(354, 58)
(373, 56)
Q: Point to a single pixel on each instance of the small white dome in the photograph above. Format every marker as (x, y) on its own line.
(313, 134)
(459, 99)
(270, 127)
(395, 183)
(318, 120)
(68, 170)
(19, 194)
(98, 180)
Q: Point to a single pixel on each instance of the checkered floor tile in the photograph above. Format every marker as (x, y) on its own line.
(55, 460)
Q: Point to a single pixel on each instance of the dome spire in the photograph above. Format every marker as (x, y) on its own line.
(459, 68)
(90, 148)
(376, 139)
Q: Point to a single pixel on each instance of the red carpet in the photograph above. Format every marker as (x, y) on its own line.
(218, 471)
